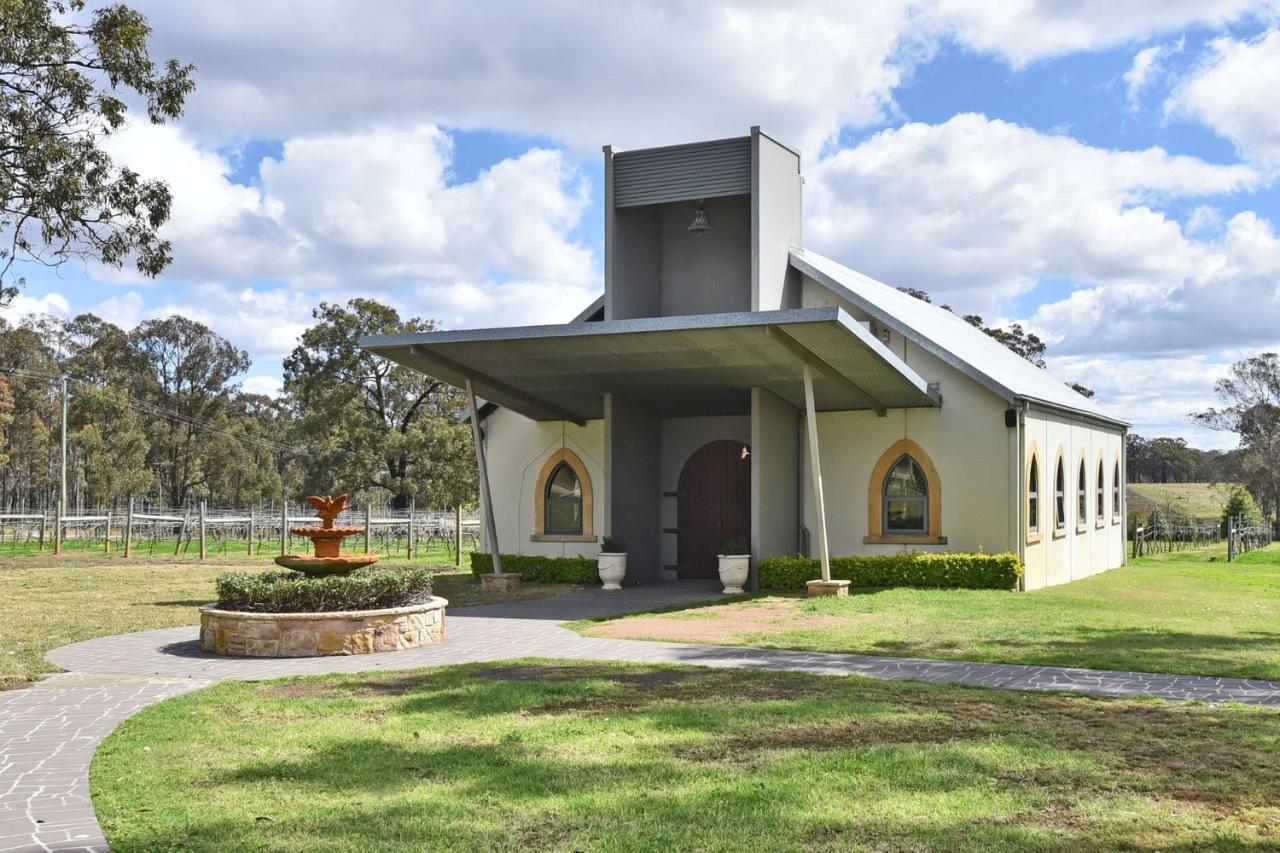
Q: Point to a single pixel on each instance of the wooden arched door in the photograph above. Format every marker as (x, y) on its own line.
(713, 504)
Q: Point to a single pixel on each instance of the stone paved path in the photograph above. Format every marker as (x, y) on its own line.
(49, 731)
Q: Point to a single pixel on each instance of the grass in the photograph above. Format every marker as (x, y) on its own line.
(582, 756)
(1190, 500)
(48, 601)
(1188, 612)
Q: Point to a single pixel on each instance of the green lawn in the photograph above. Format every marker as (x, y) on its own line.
(581, 756)
(1190, 612)
(48, 601)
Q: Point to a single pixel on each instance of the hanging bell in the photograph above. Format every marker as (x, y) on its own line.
(701, 222)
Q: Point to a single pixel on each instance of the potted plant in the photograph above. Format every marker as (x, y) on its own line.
(612, 562)
(735, 564)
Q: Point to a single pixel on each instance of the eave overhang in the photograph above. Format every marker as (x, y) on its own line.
(675, 366)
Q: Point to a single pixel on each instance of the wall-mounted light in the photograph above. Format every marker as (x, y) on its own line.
(701, 222)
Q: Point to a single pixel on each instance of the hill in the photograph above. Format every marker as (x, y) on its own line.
(1192, 500)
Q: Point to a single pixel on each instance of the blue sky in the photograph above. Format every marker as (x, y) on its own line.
(1104, 174)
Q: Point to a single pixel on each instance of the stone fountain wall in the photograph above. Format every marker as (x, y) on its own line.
(293, 635)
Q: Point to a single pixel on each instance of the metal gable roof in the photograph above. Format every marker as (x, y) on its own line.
(948, 337)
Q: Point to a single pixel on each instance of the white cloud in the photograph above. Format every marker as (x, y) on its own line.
(977, 211)
(365, 207)
(1233, 91)
(582, 73)
(270, 386)
(1156, 394)
(1225, 296)
(25, 304)
(1147, 67)
(587, 73)
(1023, 31)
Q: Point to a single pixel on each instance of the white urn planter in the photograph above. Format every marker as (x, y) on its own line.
(734, 569)
(613, 568)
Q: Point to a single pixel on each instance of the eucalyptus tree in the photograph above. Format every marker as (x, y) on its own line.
(370, 424)
(65, 76)
(1250, 408)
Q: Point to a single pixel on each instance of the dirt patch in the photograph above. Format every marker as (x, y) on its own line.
(722, 624)
(393, 685)
(745, 749)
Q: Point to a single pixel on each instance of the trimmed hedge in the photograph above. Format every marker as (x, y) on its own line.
(294, 592)
(924, 570)
(540, 569)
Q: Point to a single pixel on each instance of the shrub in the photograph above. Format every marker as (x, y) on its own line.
(294, 592)
(610, 545)
(735, 545)
(1243, 508)
(539, 569)
(928, 570)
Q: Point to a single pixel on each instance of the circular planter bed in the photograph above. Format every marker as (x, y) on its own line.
(295, 635)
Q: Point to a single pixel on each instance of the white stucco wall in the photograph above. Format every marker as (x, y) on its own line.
(1078, 550)
(965, 438)
(518, 448)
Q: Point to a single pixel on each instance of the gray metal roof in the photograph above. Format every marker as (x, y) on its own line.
(689, 365)
(949, 337)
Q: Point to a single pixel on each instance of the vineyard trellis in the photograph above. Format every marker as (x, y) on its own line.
(251, 530)
(1160, 537)
(1243, 538)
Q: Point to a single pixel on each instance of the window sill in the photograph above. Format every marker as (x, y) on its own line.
(1099, 524)
(904, 539)
(1082, 528)
(1059, 532)
(1033, 538)
(547, 537)
(1115, 519)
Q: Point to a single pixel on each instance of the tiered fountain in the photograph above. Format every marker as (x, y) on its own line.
(326, 539)
(248, 633)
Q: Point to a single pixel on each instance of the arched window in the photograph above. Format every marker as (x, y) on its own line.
(906, 498)
(562, 508)
(1115, 491)
(1082, 497)
(1060, 497)
(1099, 494)
(1033, 496)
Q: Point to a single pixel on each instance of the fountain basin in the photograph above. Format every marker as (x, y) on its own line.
(315, 565)
(293, 635)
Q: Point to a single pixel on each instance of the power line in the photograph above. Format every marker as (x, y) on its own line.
(152, 409)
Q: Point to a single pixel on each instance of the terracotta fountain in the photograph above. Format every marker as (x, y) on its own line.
(328, 558)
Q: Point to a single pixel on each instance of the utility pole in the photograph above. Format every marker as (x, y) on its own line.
(62, 491)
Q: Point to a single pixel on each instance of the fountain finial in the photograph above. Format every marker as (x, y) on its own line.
(328, 508)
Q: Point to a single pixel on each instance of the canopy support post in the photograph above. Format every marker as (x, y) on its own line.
(825, 586)
(491, 528)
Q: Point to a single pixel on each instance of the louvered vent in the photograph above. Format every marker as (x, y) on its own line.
(682, 172)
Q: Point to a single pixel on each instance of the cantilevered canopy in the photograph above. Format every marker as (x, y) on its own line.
(676, 366)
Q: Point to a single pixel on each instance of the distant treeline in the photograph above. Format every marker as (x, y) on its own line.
(1172, 460)
(157, 412)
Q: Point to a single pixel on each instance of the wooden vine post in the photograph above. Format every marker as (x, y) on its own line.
(128, 530)
(201, 530)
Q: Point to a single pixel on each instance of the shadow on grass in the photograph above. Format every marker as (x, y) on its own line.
(1146, 650)
(647, 757)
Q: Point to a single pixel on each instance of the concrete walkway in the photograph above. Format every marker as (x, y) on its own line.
(49, 731)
